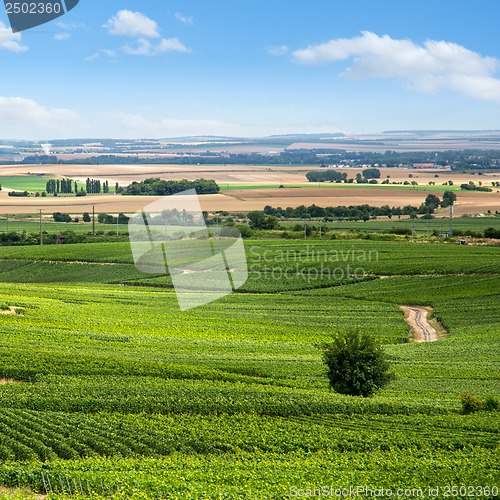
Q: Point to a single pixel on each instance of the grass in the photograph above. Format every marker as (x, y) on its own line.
(420, 226)
(31, 183)
(32, 225)
(230, 400)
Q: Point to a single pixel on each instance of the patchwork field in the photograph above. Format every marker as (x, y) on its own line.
(243, 188)
(109, 389)
(244, 200)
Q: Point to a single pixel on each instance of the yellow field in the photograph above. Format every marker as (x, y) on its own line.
(231, 174)
(246, 199)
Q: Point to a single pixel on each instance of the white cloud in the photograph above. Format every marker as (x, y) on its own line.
(140, 126)
(19, 113)
(104, 52)
(93, 57)
(433, 66)
(278, 50)
(9, 40)
(184, 19)
(135, 24)
(145, 48)
(68, 27)
(73, 26)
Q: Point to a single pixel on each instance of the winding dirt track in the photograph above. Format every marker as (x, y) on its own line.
(416, 317)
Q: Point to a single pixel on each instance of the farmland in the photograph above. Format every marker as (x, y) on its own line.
(246, 187)
(109, 384)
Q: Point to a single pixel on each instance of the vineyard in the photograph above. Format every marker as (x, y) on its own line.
(110, 390)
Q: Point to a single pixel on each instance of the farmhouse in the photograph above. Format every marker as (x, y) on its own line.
(426, 165)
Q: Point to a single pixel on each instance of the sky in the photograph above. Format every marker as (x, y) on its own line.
(171, 68)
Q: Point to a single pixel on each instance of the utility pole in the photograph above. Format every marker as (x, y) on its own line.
(93, 220)
(451, 221)
(117, 225)
(319, 229)
(412, 230)
(428, 239)
(41, 233)
(305, 230)
(7, 223)
(20, 223)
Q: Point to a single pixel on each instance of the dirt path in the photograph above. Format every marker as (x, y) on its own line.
(11, 311)
(416, 317)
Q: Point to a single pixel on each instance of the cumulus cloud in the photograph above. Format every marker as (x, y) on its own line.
(278, 50)
(23, 113)
(184, 19)
(140, 126)
(135, 24)
(9, 40)
(430, 67)
(62, 36)
(146, 48)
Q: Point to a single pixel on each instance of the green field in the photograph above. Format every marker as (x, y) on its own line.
(31, 224)
(32, 183)
(420, 226)
(119, 393)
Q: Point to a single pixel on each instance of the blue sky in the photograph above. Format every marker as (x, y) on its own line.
(129, 69)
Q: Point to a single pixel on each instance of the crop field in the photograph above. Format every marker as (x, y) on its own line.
(108, 389)
(420, 227)
(244, 187)
(24, 183)
(29, 223)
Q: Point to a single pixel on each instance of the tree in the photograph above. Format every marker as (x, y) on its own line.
(86, 217)
(491, 232)
(371, 173)
(432, 202)
(449, 197)
(59, 217)
(356, 364)
(258, 221)
(432, 199)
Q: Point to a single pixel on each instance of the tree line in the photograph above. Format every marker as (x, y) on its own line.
(352, 212)
(60, 186)
(158, 187)
(336, 176)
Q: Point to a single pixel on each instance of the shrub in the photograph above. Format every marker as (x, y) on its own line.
(59, 217)
(470, 404)
(356, 364)
(491, 232)
(491, 403)
(244, 230)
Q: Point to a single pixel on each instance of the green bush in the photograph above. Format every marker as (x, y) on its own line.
(356, 364)
(491, 403)
(470, 404)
